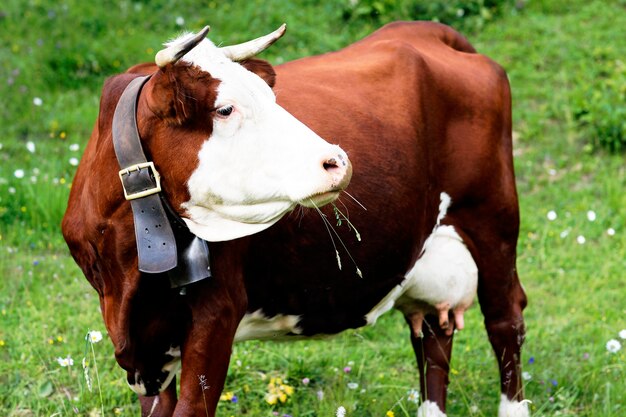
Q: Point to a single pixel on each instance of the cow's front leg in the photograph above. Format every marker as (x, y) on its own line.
(433, 349)
(216, 306)
(216, 313)
(161, 405)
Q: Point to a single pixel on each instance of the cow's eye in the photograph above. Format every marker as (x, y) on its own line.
(225, 111)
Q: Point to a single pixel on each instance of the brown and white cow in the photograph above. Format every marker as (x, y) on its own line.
(426, 123)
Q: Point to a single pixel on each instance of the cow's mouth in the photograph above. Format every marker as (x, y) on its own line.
(320, 199)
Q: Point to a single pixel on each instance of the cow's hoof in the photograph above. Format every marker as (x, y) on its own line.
(430, 409)
(512, 408)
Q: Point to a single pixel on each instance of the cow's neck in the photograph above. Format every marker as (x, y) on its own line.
(164, 243)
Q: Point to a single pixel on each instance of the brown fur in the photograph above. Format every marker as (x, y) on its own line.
(418, 112)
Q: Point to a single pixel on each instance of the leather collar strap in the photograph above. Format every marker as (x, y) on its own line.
(156, 245)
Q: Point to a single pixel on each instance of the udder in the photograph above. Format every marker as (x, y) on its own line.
(443, 280)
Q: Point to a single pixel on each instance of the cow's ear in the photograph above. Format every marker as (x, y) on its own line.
(174, 94)
(261, 68)
(161, 96)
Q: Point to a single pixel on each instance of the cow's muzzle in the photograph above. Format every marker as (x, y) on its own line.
(338, 172)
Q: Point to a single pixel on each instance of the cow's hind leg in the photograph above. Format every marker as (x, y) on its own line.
(505, 328)
(502, 300)
(433, 349)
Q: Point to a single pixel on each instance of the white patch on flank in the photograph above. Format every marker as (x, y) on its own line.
(257, 326)
(430, 409)
(384, 305)
(510, 408)
(444, 204)
(260, 161)
(445, 272)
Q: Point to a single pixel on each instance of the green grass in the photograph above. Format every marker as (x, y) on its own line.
(61, 54)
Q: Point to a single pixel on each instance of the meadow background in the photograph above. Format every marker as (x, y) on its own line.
(566, 63)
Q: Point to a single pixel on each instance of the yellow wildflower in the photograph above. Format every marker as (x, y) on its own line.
(288, 389)
(271, 399)
(278, 391)
(227, 396)
(389, 414)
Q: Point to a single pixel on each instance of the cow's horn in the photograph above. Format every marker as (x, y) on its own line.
(173, 53)
(251, 48)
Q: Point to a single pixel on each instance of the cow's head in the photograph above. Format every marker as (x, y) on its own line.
(232, 159)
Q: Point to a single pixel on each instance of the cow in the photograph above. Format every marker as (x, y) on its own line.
(403, 137)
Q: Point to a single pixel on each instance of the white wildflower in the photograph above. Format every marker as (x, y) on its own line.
(610, 231)
(581, 240)
(564, 233)
(341, 411)
(180, 21)
(37, 101)
(11, 190)
(74, 147)
(526, 376)
(413, 396)
(613, 346)
(73, 161)
(552, 172)
(19, 173)
(30, 145)
(353, 385)
(94, 336)
(591, 216)
(551, 215)
(67, 361)
(622, 334)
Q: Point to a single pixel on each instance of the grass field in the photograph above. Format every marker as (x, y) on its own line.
(572, 252)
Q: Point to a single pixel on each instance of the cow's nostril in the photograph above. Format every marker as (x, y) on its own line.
(330, 164)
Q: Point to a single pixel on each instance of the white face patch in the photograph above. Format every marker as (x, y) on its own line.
(257, 326)
(260, 161)
(510, 408)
